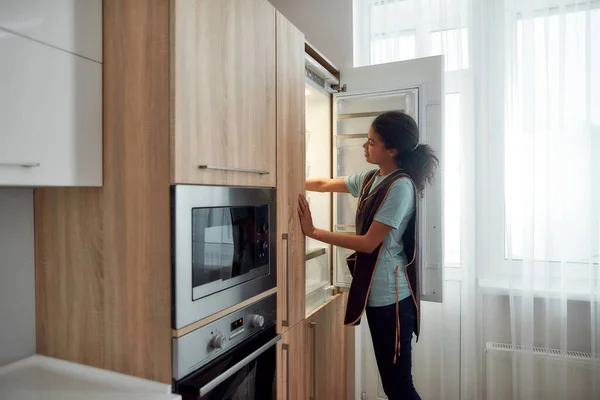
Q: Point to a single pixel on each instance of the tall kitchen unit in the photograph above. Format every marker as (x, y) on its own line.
(340, 107)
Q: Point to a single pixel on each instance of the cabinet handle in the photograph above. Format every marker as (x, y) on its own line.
(250, 171)
(313, 326)
(286, 347)
(286, 321)
(20, 164)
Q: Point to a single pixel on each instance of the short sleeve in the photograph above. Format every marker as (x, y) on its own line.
(399, 203)
(354, 183)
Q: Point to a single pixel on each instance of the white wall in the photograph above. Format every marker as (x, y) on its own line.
(327, 25)
(17, 275)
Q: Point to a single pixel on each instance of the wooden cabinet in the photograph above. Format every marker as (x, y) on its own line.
(187, 83)
(290, 173)
(314, 358)
(292, 364)
(223, 87)
(50, 114)
(327, 351)
(102, 273)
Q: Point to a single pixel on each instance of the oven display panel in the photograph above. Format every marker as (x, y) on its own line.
(237, 324)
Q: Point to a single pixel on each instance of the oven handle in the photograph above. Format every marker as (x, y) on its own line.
(229, 373)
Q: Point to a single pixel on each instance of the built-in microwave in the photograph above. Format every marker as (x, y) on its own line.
(223, 248)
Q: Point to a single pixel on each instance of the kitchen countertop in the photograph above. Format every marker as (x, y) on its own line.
(41, 377)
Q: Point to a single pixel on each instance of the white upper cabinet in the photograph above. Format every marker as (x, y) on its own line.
(50, 111)
(71, 25)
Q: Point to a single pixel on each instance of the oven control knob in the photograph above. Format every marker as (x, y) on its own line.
(265, 246)
(218, 341)
(257, 321)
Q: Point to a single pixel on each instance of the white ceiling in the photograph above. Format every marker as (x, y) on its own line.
(327, 25)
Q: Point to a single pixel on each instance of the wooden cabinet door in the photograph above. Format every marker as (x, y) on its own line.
(328, 353)
(223, 92)
(292, 364)
(290, 173)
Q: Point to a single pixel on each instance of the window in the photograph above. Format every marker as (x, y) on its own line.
(390, 40)
(454, 43)
(398, 47)
(452, 180)
(552, 139)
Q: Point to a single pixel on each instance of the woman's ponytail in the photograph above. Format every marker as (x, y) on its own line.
(420, 164)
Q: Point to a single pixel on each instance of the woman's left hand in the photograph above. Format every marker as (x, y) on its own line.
(305, 216)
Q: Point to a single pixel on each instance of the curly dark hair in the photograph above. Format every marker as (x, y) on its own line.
(400, 132)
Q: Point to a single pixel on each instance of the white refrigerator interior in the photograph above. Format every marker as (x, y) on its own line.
(318, 165)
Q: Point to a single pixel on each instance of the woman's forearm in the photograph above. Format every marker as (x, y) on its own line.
(315, 184)
(326, 185)
(353, 242)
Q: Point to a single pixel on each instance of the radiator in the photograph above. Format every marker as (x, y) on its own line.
(524, 373)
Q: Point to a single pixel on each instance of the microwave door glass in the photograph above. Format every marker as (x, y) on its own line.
(227, 247)
(244, 232)
(212, 245)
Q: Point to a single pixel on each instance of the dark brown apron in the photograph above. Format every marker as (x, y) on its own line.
(362, 265)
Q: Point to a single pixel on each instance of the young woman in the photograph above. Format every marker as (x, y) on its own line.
(384, 263)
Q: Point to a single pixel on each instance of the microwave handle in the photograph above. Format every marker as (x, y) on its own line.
(229, 373)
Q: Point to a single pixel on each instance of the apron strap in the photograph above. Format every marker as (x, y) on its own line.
(397, 344)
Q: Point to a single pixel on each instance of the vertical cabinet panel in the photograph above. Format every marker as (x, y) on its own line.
(223, 87)
(290, 173)
(327, 353)
(292, 364)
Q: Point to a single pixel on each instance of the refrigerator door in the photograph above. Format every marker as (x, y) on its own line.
(416, 88)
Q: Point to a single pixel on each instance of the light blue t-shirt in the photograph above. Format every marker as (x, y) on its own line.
(396, 211)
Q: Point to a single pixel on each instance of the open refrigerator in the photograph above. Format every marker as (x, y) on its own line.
(339, 112)
(319, 287)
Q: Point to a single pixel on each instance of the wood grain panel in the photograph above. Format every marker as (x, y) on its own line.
(103, 254)
(292, 364)
(349, 355)
(291, 167)
(320, 58)
(329, 343)
(223, 91)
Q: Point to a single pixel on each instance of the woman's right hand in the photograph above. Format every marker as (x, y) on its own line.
(305, 216)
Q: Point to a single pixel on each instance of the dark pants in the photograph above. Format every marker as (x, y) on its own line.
(396, 378)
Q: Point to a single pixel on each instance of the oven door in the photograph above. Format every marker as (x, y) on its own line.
(222, 248)
(247, 372)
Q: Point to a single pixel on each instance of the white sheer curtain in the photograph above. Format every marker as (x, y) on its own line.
(522, 177)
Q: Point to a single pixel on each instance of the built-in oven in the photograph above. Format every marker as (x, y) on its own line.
(232, 358)
(223, 248)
